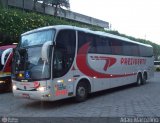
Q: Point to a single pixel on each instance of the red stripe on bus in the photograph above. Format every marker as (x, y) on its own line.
(85, 69)
(7, 67)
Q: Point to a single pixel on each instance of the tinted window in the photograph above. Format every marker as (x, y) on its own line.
(150, 51)
(103, 45)
(146, 51)
(116, 46)
(98, 44)
(106, 45)
(135, 50)
(130, 49)
(64, 52)
(84, 38)
(127, 48)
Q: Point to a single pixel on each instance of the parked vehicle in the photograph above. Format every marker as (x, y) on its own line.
(157, 66)
(6, 54)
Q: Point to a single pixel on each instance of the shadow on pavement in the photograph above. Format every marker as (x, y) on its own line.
(111, 91)
(70, 101)
(50, 104)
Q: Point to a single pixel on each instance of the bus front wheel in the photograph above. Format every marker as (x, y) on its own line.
(81, 92)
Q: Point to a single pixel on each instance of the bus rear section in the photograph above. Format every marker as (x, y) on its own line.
(6, 54)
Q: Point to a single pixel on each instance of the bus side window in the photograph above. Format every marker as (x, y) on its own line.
(93, 47)
(100, 45)
(127, 49)
(146, 51)
(117, 47)
(84, 38)
(135, 50)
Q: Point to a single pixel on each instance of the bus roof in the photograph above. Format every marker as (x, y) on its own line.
(7, 46)
(59, 27)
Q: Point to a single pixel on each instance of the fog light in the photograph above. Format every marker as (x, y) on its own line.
(14, 87)
(1, 82)
(41, 89)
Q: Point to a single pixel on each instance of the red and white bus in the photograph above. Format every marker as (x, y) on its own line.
(58, 62)
(5, 66)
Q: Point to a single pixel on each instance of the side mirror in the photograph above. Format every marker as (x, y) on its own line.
(9, 50)
(45, 49)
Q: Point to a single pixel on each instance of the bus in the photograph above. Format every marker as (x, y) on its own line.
(57, 62)
(157, 65)
(5, 67)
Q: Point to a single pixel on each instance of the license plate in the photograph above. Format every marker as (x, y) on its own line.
(25, 95)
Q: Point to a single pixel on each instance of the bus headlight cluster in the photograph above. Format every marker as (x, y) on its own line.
(41, 89)
(1, 82)
(14, 87)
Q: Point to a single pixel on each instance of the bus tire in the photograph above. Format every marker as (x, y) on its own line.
(139, 80)
(81, 92)
(144, 80)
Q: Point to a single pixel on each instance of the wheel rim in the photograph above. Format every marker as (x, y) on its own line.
(81, 91)
(145, 77)
(139, 81)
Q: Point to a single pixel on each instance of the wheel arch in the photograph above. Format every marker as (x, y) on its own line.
(139, 73)
(83, 79)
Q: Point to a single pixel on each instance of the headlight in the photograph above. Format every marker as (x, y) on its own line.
(1, 82)
(41, 89)
(14, 87)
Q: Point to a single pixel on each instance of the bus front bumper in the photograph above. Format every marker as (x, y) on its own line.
(44, 96)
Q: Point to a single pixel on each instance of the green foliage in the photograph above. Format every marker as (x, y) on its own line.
(158, 69)
(15, 22)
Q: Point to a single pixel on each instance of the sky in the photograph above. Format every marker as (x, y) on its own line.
(137, 18)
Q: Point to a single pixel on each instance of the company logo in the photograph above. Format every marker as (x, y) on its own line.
(36, 84)
(109, 61)
(133, 61)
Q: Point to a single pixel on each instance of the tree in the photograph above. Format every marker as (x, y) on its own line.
(58, 4)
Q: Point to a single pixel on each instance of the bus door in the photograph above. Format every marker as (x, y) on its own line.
(64, 54)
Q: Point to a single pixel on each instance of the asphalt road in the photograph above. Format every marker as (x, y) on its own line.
(128, 101)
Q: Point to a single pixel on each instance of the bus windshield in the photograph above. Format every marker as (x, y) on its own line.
(37, 38)
(27, 61)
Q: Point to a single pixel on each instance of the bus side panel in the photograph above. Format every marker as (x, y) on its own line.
(111, 71)
(150, 67)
